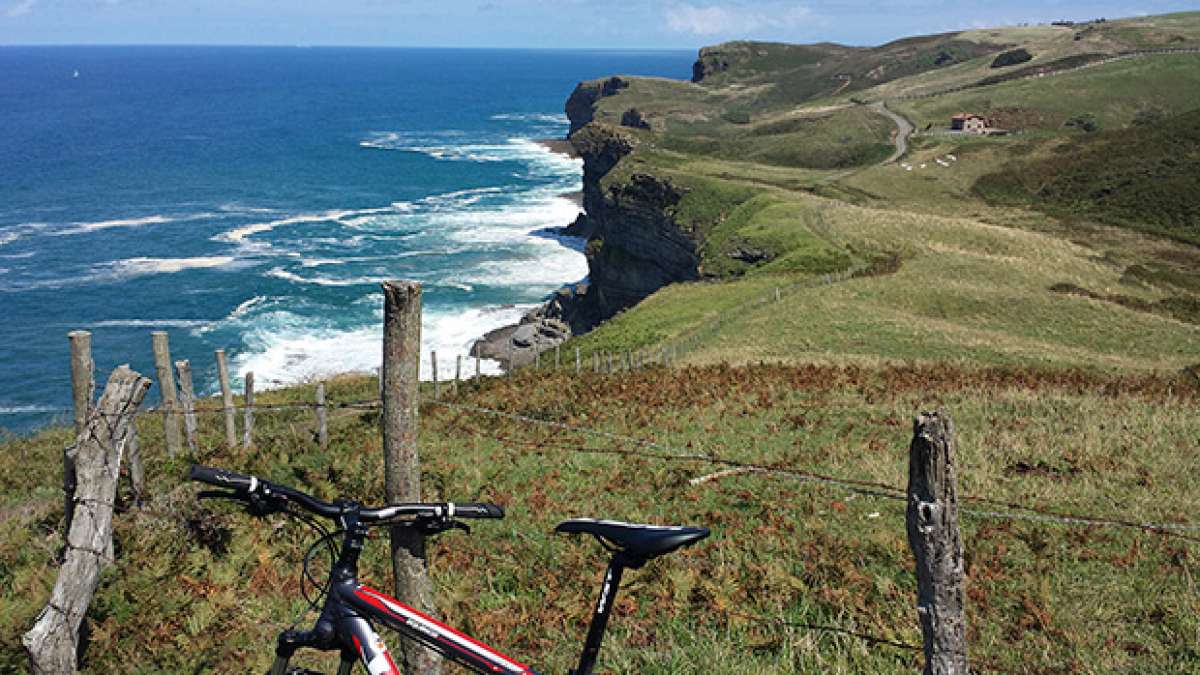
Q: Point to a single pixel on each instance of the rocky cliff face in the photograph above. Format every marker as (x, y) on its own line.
(634, 246)
(581, 105)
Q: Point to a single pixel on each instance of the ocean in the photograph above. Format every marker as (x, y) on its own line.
(253, 199)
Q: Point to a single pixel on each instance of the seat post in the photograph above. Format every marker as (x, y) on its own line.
(608, 594)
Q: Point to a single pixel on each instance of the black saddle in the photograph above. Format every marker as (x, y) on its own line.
(639, 542)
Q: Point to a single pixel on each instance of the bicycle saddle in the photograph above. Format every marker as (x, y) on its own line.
(638, 541)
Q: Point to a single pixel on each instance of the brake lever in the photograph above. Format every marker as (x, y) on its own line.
(437, 525)
(256, 505)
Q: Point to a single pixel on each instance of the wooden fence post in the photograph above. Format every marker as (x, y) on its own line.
(932, 523)
(83, 389)
(437, 385)
(578, 362)
(457, 374)
(402, 469)
(166, 389)
(137, 473)
(512, 365)
(52, 643)
(226, 399)
(478, 367)
(248, 419)
(187, 401)
(83, 376)
(322, 424)
(537, 360)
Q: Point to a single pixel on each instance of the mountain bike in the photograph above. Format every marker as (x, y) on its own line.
(351, 610)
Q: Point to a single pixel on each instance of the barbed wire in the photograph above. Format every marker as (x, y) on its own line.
(664, 452)
(868, 487)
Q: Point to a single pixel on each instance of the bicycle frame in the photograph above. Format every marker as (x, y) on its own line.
(352, 610)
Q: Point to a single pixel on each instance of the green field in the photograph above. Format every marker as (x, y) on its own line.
(201, 588)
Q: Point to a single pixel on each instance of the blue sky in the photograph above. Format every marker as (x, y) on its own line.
(523, 23)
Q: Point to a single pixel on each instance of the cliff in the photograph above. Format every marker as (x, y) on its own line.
(634, 244)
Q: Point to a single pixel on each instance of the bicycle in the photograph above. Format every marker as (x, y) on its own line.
(347, 620)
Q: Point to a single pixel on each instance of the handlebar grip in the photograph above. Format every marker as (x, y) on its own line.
(223, 478)
(478, 511)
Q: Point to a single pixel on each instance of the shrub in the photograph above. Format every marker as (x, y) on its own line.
(1012, 58)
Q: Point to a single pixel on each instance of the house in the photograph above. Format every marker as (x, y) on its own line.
(969, 123)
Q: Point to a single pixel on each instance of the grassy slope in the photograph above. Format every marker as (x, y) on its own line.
(1145, 178)
(971, 292)
(1041, 597)
(1113, 93)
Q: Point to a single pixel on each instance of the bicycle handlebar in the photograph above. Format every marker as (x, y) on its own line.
(245, 486)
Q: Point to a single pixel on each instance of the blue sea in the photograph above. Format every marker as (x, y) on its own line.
(253, 199)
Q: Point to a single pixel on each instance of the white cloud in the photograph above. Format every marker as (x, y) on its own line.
(723, 19)
(20, 8)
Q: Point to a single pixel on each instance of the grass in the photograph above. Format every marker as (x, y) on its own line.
(1064, 348)
(1146, 178)
(200, 588)
(1114, 93)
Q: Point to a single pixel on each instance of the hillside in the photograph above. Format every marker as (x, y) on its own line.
(1042, 286)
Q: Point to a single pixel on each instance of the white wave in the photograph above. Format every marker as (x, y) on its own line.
(239, 234)
(142, 266)
(13, 233)
(552, 118)
(82, 227)
(234, 207)
(151, 323)
(28, 409)
(284, 350)
(15, 256)
(281, 273)
(246, 306)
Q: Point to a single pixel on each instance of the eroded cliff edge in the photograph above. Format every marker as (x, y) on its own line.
(634, 246)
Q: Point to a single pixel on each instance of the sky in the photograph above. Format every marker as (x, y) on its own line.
(619, 24)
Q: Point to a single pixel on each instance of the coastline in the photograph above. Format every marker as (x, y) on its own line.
(518, 344)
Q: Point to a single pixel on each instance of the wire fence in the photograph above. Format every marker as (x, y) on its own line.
(618, 444)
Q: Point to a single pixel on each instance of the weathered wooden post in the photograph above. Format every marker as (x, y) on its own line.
(248, 418)
(437, 385)
(402, 470)
(778, 295)
(187, 401)
(512, 363)
(53, 642)
(457, 374)
(478, 367)
(932, 523)
(83, 389)
(595, 362)
(226, 399)
(537, 360)
(322, 422)
(578, 362)
(83, 376)
(137, 473)
(166, 389)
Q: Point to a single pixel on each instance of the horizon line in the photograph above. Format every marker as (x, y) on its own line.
(342, 46)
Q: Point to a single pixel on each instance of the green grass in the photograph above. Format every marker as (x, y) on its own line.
(202, 588)
(1113, 93)
(1146, 178)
